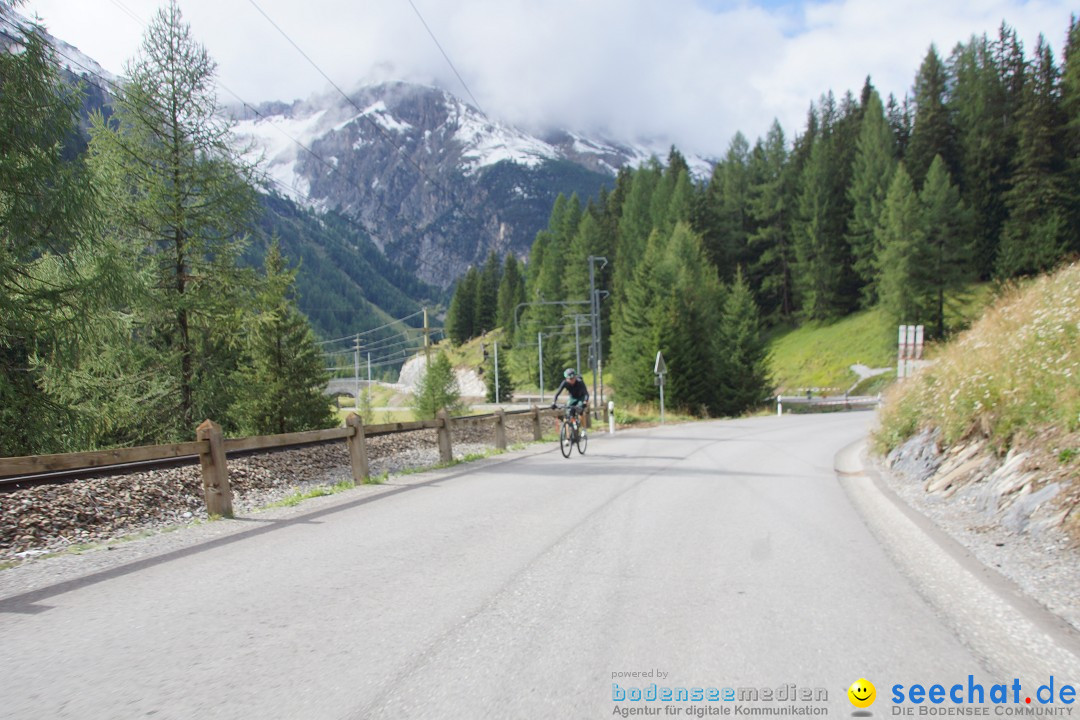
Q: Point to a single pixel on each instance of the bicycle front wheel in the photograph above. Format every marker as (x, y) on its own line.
(582, 441)
(566, 440)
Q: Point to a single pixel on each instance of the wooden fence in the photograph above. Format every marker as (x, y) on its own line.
(212, 449)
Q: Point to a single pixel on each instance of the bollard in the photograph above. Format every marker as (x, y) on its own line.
(779, 405)
(500, 429)
(538, 432)
(611, 417)
(358, 449)
(446, 450)
(215, 473)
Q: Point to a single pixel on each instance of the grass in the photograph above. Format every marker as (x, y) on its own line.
(382, 415)
(1015, 373)
(80, 548)
(647, 413)
(820, 355)
(320, 491)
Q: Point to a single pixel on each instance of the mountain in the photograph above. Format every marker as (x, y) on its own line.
(345, 284)
(436, 182)
(400, 188)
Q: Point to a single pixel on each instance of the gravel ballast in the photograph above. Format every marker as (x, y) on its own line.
(51, 518)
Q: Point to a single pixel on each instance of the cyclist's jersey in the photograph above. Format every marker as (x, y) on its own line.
(578, 392)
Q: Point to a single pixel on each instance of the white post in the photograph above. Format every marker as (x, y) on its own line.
(611, 417)
(661, 399)
(496, 371)
(909, 366)
(779, 405)
(900, 349)
(540, 351)
(356, 372)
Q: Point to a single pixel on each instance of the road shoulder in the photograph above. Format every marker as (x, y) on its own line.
(40, 578)
(1009, 629)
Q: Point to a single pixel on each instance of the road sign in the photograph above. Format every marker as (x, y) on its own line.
(661, 366)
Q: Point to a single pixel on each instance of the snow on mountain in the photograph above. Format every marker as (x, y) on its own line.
(274, 141)
(487, 143)
(68, 56)
(450, 128)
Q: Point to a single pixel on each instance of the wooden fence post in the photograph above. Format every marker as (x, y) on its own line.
(538, 432)
(446, 450)
(500, 429)
(215, 473)
(358, 449)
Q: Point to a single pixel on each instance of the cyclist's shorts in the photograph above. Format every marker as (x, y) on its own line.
(574, 402)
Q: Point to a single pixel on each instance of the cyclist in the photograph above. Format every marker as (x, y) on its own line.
(579, 394)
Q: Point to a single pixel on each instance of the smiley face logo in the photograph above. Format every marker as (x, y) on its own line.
(862, 693)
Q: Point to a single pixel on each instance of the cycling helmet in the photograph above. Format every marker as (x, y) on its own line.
(569, 373)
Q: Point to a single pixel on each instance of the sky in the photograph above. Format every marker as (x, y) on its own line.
(688, 72)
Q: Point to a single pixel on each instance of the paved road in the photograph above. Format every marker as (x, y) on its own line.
(723, 554)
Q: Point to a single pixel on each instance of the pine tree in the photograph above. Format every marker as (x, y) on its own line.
(671, 306)
(1036, 233)
(506, 384)
(770, 207)
(634, 335)
(933, 133)
(743, 369)
(874, 165)
(727, 197)
(986, 140)
(461, 315)
(511, 292)
(686, 323)
(901, 241)
(437, 390)
(1070, 106)
(818, 266)
(487, 294)
(182, 200)
(283, 388)
(48, 217)
(899, 114)
(944, 261)
(635, 226)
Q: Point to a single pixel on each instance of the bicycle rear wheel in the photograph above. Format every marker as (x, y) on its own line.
(566, 440)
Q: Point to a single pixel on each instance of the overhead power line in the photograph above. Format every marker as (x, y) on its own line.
(118, 89)
(362, 113)
(449, 62)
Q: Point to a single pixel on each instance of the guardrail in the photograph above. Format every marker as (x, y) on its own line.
(846, 402)
(211, 451)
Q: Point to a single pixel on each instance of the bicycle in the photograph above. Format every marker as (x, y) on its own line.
(571, 432)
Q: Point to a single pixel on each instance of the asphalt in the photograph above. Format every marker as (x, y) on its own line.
(723, 554)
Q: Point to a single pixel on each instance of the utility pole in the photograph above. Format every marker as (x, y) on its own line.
(356, 371)
(577, 342)
(540, 352)
(497, 398)
(369, 371)
(594, 298)
(427, 341)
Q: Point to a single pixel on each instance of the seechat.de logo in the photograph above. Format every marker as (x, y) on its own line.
(862, 693)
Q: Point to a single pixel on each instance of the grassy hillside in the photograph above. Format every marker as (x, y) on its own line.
(1013, 376)
(820, 355)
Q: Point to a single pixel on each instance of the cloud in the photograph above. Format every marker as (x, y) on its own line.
(692, 72)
